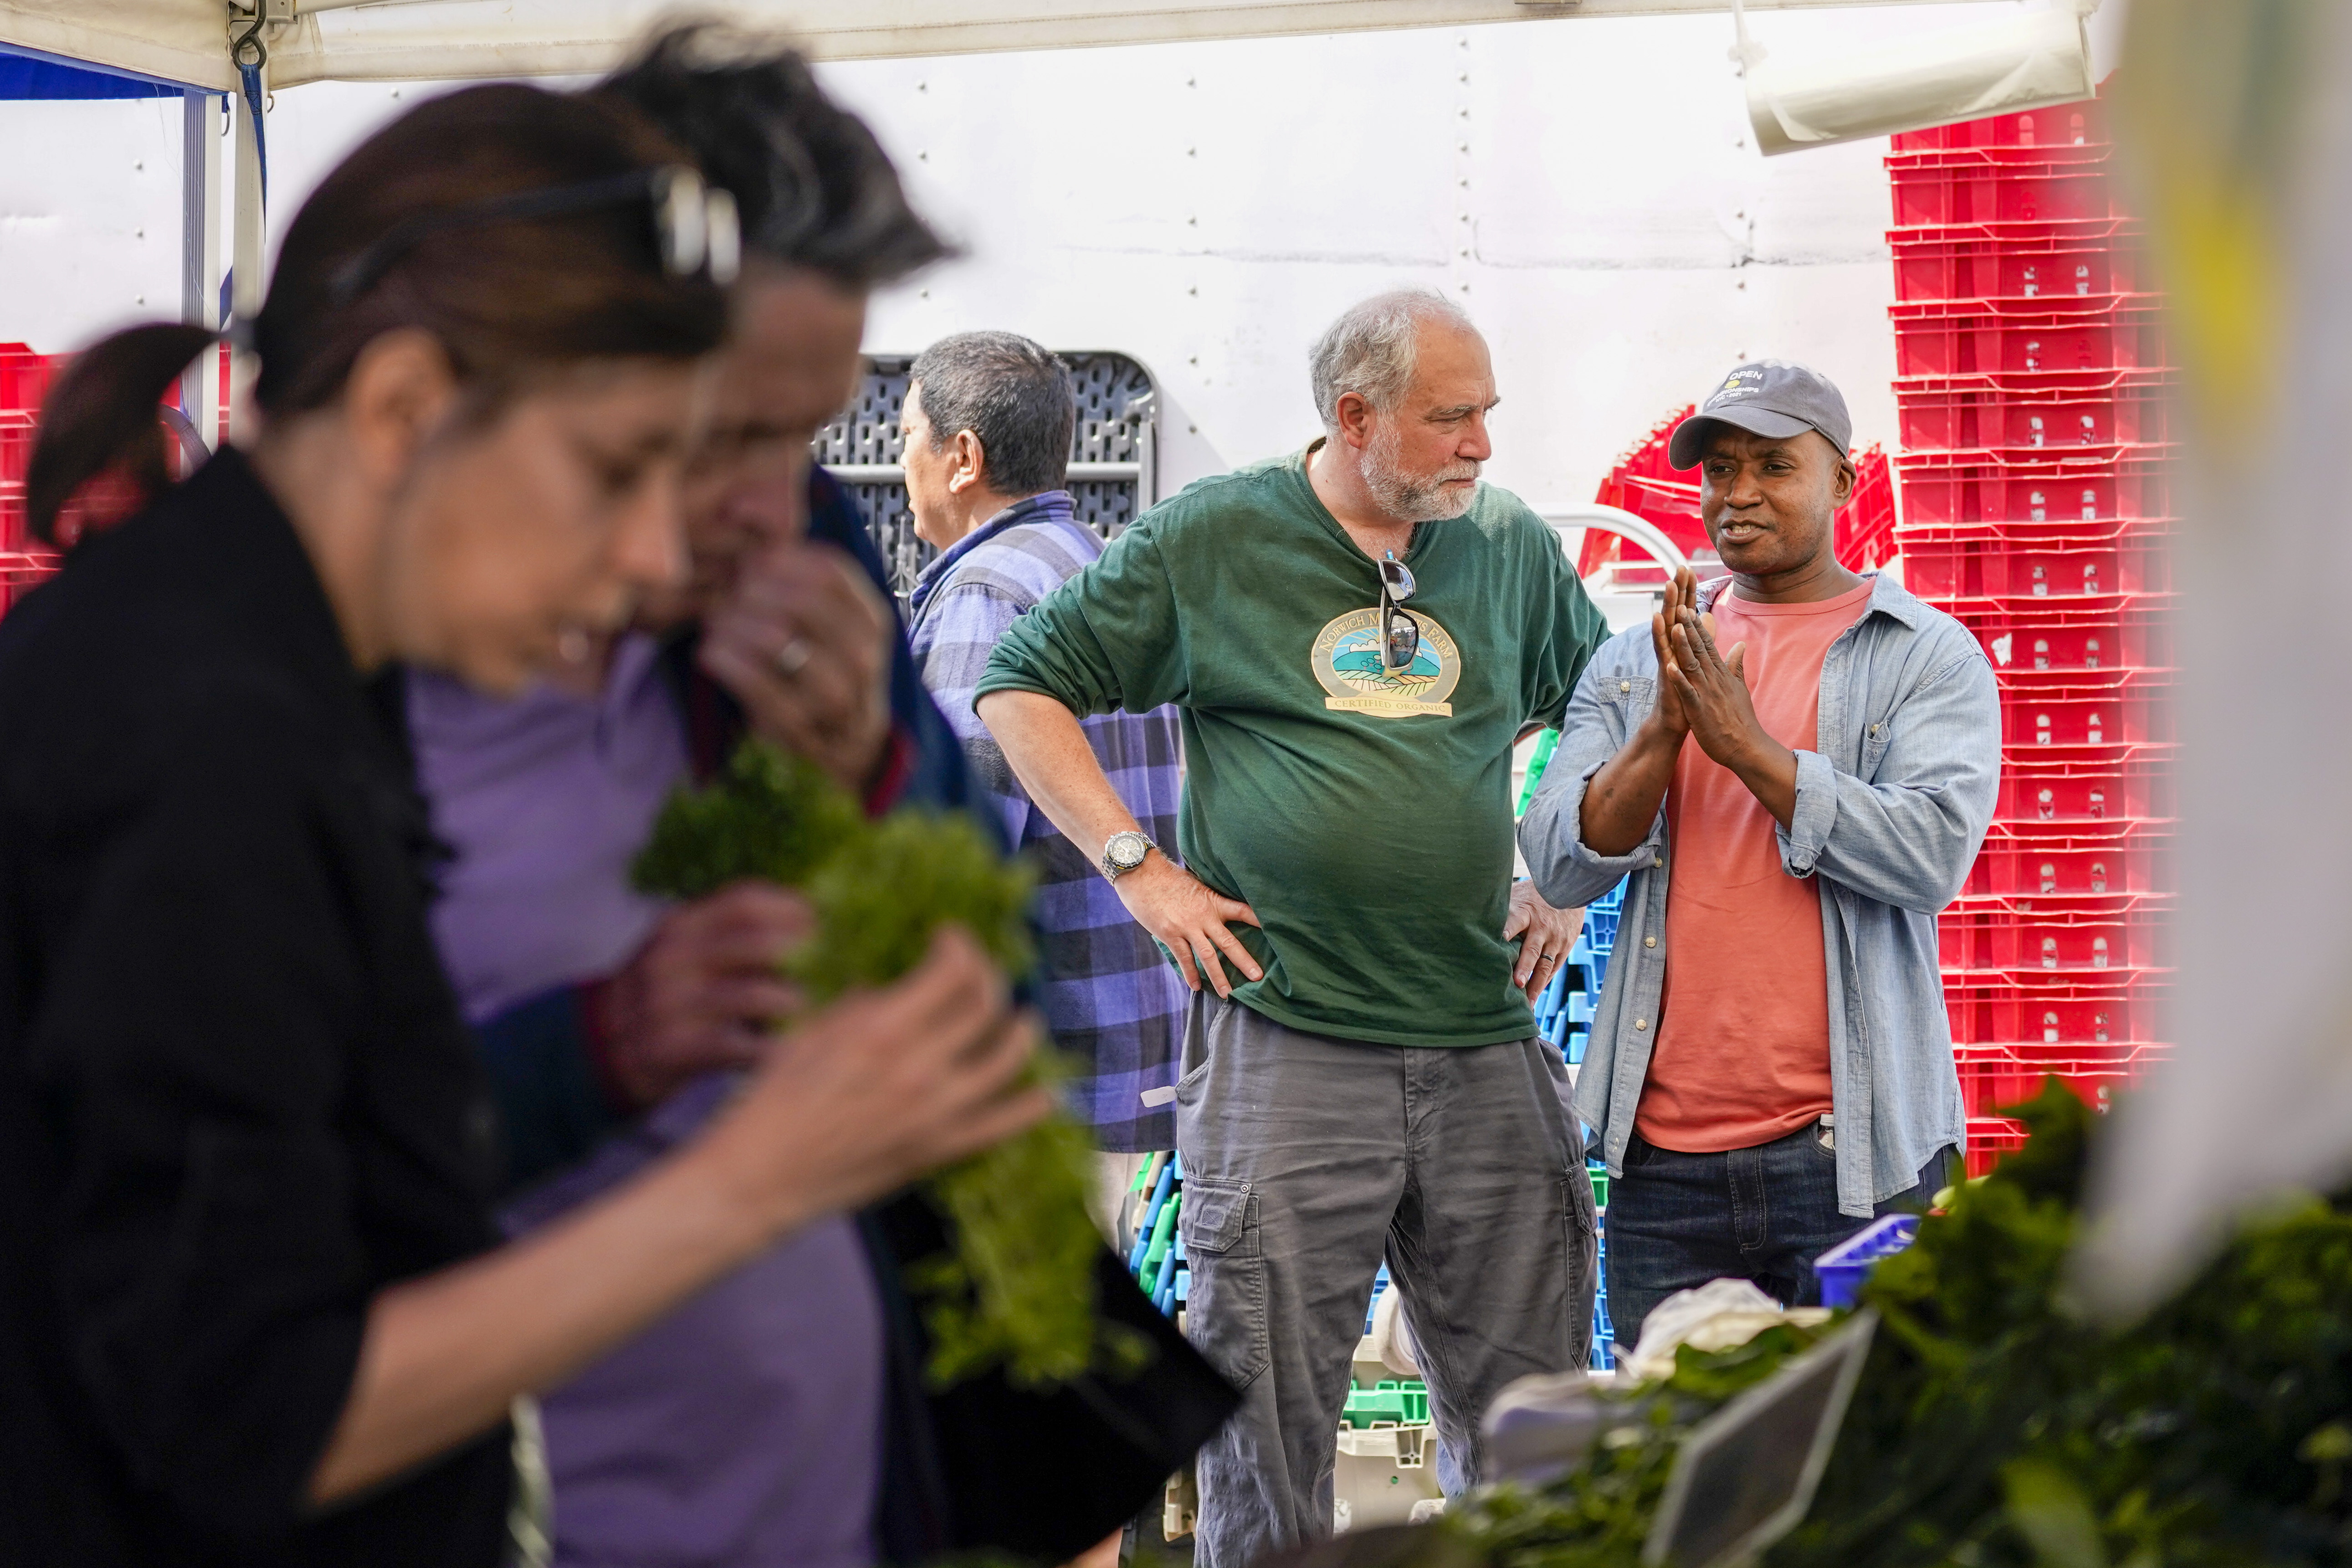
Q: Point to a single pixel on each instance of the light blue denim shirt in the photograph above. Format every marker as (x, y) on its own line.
(1890, 811)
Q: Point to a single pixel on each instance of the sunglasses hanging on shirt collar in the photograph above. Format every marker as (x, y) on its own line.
(694, 222)
(1400, 633)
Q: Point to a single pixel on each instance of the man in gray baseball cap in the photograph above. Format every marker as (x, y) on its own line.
(1788, 862)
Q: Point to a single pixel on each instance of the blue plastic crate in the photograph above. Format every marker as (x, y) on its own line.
(1598, 938)
(1380, 1283)
(1843, 1267)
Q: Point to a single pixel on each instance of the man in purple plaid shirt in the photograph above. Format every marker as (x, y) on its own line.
(988, 422)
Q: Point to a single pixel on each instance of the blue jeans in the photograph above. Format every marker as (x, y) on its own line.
(1763, 1214)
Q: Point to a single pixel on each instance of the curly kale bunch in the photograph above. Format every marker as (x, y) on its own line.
(1019, 1287)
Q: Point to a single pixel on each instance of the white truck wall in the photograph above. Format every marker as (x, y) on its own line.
(1586, 188)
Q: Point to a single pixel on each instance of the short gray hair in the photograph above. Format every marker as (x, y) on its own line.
(1014, 394)
(1369, 350)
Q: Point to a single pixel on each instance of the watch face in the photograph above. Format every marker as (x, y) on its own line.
(1126, 850)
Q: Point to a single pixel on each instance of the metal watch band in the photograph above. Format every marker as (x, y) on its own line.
(1112, 871)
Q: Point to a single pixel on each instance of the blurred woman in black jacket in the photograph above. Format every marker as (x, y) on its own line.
(251, 1308)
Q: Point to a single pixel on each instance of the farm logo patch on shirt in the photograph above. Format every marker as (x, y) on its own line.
(1346, 659)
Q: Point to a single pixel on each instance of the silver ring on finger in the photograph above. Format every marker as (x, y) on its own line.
(793, 657)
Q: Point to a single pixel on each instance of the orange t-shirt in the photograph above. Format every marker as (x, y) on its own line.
(1743, 1046)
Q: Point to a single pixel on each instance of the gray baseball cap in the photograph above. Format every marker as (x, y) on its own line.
(1769, 397)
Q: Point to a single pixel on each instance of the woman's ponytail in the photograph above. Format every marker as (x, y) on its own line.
(101, 418)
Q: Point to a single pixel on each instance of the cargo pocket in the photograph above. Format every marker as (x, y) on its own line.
(1225, 1315)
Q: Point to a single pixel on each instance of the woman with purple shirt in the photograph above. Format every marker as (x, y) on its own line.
(780, 1416)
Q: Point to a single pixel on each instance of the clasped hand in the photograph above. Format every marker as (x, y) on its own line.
(1703, 693)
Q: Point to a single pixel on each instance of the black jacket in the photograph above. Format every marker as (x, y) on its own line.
(237, 1099)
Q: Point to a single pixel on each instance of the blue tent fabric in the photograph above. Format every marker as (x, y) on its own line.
(25, 75)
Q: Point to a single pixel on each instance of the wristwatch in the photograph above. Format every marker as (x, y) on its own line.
(1125, 852)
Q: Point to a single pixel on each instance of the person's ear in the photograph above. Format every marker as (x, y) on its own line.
(970, 464)
(1842, 485)
(401, 390)
(1355, 416)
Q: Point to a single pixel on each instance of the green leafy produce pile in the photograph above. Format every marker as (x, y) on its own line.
(1019, 1287)
(1992, 1430)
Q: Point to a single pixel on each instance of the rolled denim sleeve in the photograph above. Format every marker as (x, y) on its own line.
(1908, 836)
(1566, 870)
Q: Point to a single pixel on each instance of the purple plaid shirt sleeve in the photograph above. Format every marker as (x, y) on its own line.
(1112, 1002)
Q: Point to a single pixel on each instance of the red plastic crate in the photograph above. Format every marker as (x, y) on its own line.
(2075, 794)
(1998, 261)
(1966, 337)
(1865, 536)
(22, 569)
(2117, 723)
(15, 445)
(1992, 1139)
(1999, 185)
(2065, 534)
(2123, 1060)
(1940, 571)
(1947, 490)
(2083, 1021)
(2018, 861)
(1985, 1087)
(2036, 643)
(2103, 409)
(2083, 124)
(15, 448)
(24, 378)
(2036, 950)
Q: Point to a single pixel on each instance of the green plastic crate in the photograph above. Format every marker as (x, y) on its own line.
(1415, 1393)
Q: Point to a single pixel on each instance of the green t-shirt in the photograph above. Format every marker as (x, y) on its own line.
(1366, 817)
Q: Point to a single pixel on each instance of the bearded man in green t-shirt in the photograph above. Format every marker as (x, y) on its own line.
(1354, 638)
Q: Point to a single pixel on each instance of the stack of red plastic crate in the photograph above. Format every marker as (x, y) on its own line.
(24, 377)
(2033, 389)
(1643, 484)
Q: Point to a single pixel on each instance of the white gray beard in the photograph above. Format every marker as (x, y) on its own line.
(1410, 498)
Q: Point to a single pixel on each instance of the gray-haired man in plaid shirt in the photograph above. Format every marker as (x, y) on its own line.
(988, 423)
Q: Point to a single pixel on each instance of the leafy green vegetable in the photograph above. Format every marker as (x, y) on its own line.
(1019, 1287)
(768, 814)
(886, 888)
(1992, 1429)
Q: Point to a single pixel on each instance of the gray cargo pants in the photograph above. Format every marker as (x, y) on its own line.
(1306, 1159)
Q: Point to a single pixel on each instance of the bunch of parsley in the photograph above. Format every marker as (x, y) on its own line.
(1018, 1288)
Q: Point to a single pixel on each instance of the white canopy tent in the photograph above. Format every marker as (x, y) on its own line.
(199, 44)
(187, 41)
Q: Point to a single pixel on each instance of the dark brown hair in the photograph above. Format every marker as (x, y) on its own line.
(507, 300)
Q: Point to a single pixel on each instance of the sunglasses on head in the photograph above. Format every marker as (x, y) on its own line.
(694, 223)
(1400, 633)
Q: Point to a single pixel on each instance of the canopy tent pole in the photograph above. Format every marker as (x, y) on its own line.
(200, 280)
(246, 269)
